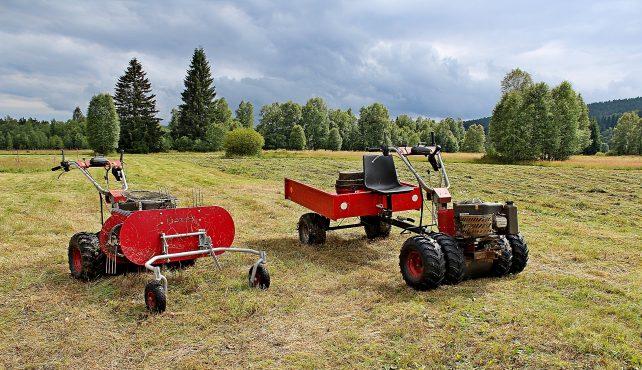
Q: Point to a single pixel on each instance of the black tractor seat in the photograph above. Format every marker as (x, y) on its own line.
(380, 175)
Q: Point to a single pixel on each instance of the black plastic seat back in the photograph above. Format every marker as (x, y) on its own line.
(380, 175)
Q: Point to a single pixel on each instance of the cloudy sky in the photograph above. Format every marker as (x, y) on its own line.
(430, 58)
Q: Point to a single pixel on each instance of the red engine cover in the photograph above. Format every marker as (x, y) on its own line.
(140, 235)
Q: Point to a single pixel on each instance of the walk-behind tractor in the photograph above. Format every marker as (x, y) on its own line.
(473, 237)
(145, 228)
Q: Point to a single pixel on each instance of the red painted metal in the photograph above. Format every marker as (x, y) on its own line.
(140, 235)
(415, 265)
(360, 203)
(446, 221)
(443, 195)
(76, 260)
(114, 220)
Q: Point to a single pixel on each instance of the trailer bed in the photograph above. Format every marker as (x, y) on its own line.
(360, 203)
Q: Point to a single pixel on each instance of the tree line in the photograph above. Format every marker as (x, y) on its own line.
(202, 121)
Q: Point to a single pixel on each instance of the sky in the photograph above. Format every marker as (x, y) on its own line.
(428, 58)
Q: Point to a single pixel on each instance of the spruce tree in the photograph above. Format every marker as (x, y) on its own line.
(140, 130)
(198, 98)
(77, 115)
(245, 114)
(596, 138)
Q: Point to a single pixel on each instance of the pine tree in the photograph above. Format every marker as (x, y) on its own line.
(77, 115)
(596, 138)
(198, 98)
(297, 138)
(140, 130)
(103, 127)
(334, 139)
(245, 114)
(314, 117)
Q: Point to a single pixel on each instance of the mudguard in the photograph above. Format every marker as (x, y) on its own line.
(140, 235)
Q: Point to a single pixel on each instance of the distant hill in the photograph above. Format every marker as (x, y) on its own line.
(607, 113)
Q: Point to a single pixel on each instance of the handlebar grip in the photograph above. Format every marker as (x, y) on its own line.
(56, 168)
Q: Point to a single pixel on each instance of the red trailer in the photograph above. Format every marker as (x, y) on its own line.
(470, 235)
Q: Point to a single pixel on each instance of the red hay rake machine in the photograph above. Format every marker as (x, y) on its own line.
(147, 229)
(472, 237)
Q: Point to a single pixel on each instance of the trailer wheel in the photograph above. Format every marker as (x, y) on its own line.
(454, 257)
(312, 228)
(375, 228)
(520, 253)
(261, 278)
(86, 260)
(155, 297)
(422, 263)
(502, 264)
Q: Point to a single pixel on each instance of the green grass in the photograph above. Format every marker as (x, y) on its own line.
(577, 304)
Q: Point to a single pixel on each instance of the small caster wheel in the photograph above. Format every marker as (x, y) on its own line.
(155, 298)
(261, 278)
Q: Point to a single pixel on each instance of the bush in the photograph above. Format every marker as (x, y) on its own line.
(103, 126)
(183, 144)
(243, 141)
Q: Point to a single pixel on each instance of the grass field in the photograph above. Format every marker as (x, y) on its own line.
(578, 304)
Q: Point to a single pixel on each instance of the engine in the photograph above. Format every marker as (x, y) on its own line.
(477, 219)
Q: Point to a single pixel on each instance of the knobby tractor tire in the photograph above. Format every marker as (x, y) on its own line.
(520, 253)
(86, 260)
(375, 228)
(422, 263)
(261, 278)
(155, 297)
(454, 257)
(502, 264)
(312, 228)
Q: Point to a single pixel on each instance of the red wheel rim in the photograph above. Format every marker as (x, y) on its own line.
(257, 279)
(414, 264)
(150, 298)
(76, 260)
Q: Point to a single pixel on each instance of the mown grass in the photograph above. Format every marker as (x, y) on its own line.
(576, 305)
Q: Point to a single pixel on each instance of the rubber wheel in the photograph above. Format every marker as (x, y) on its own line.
(375, 228)
(86, 260)
(454, 257)
(422, 263)
(312, 228)
(502, 264)
(155, 298)
(520, 253)
(261, 278)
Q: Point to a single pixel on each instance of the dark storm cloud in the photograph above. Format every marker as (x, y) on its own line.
(418, 57)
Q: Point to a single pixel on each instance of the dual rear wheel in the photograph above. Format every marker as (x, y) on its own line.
(429, 261)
